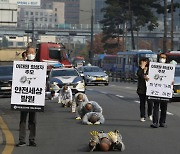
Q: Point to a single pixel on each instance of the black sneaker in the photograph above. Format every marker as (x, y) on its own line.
(32, 143)
(154, 125)
(163, 125)
(21, 144)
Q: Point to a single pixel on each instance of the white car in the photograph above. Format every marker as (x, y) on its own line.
(176, 87)
(61, 76)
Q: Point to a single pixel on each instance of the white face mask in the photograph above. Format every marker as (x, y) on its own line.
(31, 57)
(162, 60)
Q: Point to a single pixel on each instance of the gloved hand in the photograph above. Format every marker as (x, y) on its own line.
(97, 123)
(89, 123)
(78, 118)
(95, 136)
(113, 136)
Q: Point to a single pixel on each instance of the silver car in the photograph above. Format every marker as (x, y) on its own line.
(176, 87)
(94, 75)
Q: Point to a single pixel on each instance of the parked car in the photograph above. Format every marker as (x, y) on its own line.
(94, 75)
(58, 77)
(6, 72)
(176, 87)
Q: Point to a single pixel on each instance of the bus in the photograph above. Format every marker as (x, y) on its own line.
(128, 62)
(107, 62)
(173, 55)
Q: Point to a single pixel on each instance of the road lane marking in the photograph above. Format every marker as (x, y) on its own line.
(9, 146)
(120, 96)
(137, 102)
(103, 92)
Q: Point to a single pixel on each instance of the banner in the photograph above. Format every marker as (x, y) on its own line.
(161, 77)
(28, 86)
(26, 2)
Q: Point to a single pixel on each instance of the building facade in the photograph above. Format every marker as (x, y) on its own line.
(49, 17)
(8, 13)
(71, 10)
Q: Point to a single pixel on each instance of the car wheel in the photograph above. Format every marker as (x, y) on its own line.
(106, 84)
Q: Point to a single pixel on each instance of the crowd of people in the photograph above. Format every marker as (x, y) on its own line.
(91, 113)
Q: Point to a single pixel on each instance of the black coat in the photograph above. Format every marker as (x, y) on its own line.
(141, 87)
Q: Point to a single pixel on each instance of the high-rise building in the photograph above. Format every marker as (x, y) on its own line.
(86, 7)
(71, 10)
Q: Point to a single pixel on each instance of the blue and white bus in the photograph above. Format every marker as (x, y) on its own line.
(128, 62)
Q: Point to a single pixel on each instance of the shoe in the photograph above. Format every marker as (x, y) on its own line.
(21, 144)
(32, 143)
(163, 125)
(154, 125)
(78, 118)
(142, 119)
(150, 117)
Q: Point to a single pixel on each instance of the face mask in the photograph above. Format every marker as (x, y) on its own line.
(80, 100)
(30, 57)
(162, 60)
(66, 90)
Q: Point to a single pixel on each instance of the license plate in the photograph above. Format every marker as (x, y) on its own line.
(178, 91)
(5, 88)
(98, 78)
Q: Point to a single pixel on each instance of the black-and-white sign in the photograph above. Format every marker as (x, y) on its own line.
(28, 86)
(161, 77)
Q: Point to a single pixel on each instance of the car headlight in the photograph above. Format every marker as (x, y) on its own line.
(106, 76)
(54, 83)
(89, 76)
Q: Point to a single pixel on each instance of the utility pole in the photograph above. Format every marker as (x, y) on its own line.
(91, 52)
(165, 27)
(172, 25)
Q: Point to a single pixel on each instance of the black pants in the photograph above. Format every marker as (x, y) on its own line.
(31, 126)
(163, 108)
(143, 100)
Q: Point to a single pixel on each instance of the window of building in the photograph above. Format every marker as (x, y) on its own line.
(41, 13)
(27, 13)
(32, 13)
(55, 9)
(10, 43)
(20, 43)
(36, 13)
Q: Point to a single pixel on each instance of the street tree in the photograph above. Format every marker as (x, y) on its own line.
(135, 14)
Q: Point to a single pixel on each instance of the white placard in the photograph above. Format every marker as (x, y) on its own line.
(161, 77)
(28, 86)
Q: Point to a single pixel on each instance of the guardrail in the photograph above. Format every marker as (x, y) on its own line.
(122, 77)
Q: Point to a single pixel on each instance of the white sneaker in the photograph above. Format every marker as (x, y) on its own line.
(142, 119)
(150, 117)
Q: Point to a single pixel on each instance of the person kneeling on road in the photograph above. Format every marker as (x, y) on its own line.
(52, 95)
(86, 107)
(77, 101)
(110, 141)
(65, 96)
(93, 118)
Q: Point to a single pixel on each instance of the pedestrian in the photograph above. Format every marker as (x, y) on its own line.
(90, 106)
(65, 96)
(93, 118)
(101, 141)
(141, 90)
(31, 54)
(160, 121)
(77, 101)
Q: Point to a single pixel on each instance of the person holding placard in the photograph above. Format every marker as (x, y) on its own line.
(160, 121)
(30, 54)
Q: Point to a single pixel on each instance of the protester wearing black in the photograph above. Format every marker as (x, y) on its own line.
(160, 121)
(32, 115)
(141, 89)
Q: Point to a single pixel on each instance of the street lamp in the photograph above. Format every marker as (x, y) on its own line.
(91, 52)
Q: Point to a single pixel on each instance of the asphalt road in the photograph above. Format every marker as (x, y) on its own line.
(59, 133)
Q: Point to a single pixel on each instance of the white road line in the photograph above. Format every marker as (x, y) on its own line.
(137, 102)
(120, 96)
(103, 92)
(169, 113)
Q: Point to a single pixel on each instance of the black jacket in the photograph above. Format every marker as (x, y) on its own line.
(141, 87)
